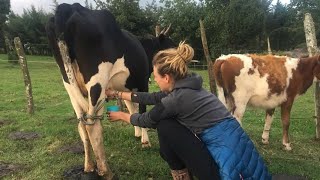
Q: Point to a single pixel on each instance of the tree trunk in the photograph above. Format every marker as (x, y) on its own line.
(26, 76)
(209, 61)
(311, 41)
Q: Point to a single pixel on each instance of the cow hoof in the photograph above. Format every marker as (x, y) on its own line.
(287, 147)
(146, 144)
(265, 141)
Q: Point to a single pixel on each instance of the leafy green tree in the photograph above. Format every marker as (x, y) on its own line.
(297, 9)
(278, 27)
(184, 15)
(54, 5)
(128, 15)
(213, 14)
(152, 13)
(245, 23)
(30, 27)
(4, 11)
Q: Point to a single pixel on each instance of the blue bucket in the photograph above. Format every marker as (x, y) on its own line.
(113, 108)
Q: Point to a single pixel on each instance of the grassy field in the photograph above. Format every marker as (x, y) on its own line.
(54, 121)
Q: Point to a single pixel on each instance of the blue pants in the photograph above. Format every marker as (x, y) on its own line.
(234, 152)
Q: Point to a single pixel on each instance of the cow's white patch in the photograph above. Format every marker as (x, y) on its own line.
(291, 64)
(118, 76)
(101, 77)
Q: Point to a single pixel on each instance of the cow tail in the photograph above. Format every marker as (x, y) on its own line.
(221, 90)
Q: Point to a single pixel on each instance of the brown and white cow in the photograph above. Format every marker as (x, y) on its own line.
(265, 82)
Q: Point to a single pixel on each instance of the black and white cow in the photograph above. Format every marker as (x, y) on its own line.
(94, 54)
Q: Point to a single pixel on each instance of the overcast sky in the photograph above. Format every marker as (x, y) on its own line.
(18, 5)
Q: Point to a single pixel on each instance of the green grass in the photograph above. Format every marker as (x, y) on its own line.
(55, 122)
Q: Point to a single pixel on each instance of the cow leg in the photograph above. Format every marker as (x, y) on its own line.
(267, 126)
(96, 140)
(88, 163)
(139, 131)
(238, 109)
(285, 117)
(77, 100)
(132, 108)
(95, 132)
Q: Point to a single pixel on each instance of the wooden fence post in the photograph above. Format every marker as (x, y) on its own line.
(25, 71)
(269, 46)
(208, 58)
(311, 41)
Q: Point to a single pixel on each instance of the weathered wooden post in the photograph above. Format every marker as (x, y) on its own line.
(26, 76)
(311, 41)
(269, 46)
(208, 58)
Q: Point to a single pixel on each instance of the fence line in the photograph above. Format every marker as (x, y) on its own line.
(28, 61)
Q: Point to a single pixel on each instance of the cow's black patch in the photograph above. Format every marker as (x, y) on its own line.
(95, 92)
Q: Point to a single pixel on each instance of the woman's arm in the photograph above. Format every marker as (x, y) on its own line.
(148, 119)
(122, 116)
(137, 97)
(142, 119)
(118, 94)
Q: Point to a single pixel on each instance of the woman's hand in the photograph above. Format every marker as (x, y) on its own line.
(116, 116)
(111, 94)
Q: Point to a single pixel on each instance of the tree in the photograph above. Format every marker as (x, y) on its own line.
(184, 15)
(4, 11)
(54, 5)
(30, 27)
(213, 14)
(245, 23)
(128, 15)
(298, 8)
(277, 28)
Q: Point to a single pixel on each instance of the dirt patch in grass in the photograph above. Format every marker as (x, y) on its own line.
(287, 177)
(19, 135)
(6, 168)
(4, 122)
(76, 148)
(76, 173)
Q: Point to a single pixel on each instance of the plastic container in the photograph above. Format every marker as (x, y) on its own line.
(113, 108)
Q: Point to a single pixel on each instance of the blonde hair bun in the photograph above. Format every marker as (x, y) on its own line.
(185, 51)
(174, 60)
